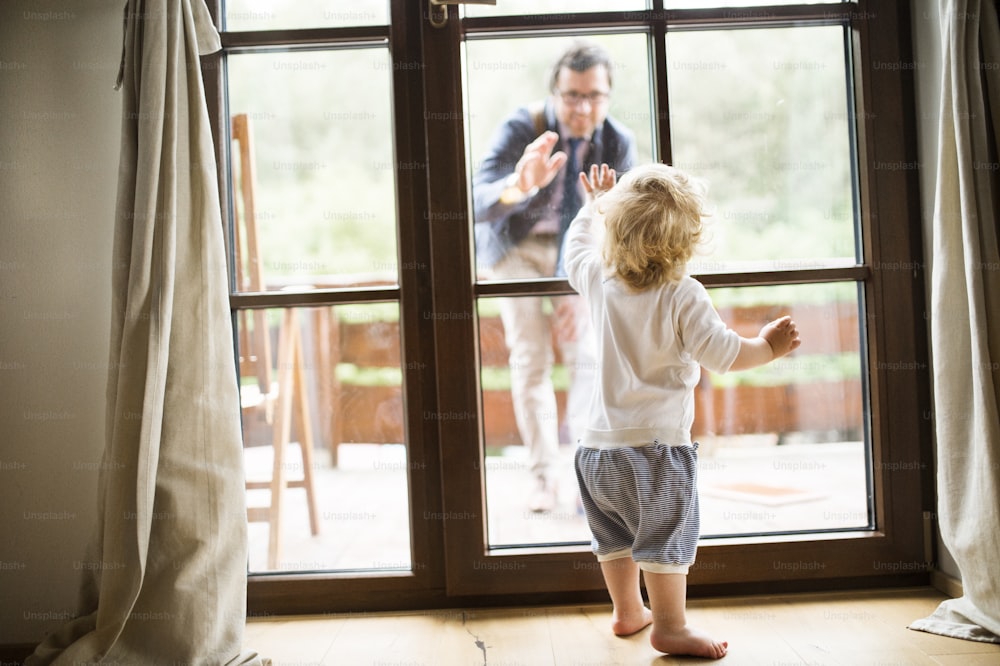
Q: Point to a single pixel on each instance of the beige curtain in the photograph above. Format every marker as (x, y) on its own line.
(965, 313)
(171, 543)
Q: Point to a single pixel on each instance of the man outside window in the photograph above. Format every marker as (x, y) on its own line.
(525, 194)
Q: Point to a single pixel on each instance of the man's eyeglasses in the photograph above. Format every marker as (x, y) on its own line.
(573, 98)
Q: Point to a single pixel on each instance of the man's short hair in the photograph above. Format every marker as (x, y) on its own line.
(580, 57)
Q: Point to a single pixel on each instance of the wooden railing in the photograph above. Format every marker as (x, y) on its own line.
(357, 413)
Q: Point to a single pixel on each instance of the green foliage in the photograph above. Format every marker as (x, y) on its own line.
(367, 312)
(282, 14)
(498, 378)
(349, 373)
(789, 295)
(324, 160)
(761, 114)
(504, 74)
(796, 370)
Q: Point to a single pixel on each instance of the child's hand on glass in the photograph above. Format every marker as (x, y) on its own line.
(782, 335)
(599, 180)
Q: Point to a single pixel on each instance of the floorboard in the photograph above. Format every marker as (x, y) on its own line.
(856, 628)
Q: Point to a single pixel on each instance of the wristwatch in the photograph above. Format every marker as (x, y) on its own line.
(512, 194)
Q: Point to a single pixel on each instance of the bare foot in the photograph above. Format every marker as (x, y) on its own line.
(626, 625)
(689, 641)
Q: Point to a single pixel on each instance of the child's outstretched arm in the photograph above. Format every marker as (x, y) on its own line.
(774, 341)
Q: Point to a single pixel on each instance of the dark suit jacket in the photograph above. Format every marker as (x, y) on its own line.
(498, 226)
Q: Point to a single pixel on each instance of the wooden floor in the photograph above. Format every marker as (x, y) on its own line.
(842, 628)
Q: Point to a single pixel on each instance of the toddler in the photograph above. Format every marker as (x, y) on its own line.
(654, 327)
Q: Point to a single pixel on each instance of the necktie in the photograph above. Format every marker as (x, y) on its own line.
(571, 189)
(571, 199)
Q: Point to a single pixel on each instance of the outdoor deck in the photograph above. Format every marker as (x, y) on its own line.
(747, 485)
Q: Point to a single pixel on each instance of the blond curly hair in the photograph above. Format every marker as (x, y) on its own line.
(653, 225)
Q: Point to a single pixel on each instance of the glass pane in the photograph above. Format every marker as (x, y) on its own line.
(290, 14)
(340, 367)
(762, 115)
(324, 217)
(506, 76)
(532, 411)
(705, 4)
(527, 7)
(783, 447)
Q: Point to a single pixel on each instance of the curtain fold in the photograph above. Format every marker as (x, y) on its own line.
(964, 296)
(171, 546)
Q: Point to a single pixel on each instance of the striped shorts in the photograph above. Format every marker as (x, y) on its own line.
(642, 502)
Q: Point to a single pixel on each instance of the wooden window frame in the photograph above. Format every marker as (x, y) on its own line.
(452, 565)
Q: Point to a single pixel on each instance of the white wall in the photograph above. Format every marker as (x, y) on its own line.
(59, 141)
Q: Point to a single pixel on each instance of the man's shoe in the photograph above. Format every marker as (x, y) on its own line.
(544, 498)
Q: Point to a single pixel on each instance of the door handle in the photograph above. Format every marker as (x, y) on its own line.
(438, 14)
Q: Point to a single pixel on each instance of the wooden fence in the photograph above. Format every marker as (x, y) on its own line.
(357, 413)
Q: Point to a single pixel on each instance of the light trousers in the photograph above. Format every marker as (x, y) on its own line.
(531, 343)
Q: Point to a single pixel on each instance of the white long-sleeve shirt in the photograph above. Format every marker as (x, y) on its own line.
(649, 347)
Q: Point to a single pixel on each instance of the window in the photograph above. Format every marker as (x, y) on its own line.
(368, 127)
(318, 275)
